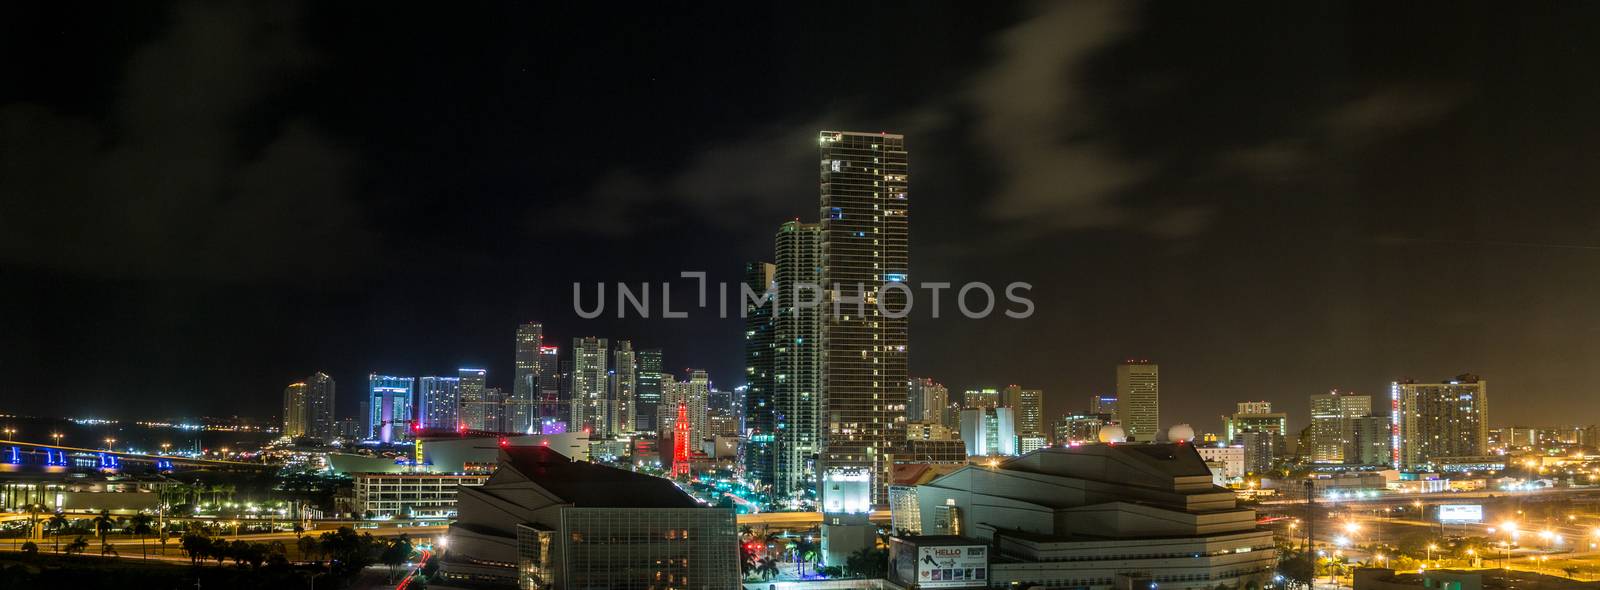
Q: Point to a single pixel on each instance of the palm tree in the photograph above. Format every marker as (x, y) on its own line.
(57, 522)
(140, 525)
(771, 541)
(767, 568)
(77, 545)
(102, 525)
(745, 532)
(805, 550)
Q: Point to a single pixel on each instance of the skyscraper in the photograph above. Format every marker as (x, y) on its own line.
(1139, 399)
(391, 417)
(647, 390)
(926, 401)
(797, 358)
(987, 397)
(1333, 422)
(550, 407)
(760, 411)
(865, 244)
(1437, 420)
(624, 387)
(477, 411)
(591, 407)
(1373, 443)
(320, 423)
(439, 402)
(1105, 405)
(696, 394)
(1029, 407)
(989, 431)
(522, 406)
(295, 417)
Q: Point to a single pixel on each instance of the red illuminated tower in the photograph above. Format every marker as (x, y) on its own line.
(680, 442)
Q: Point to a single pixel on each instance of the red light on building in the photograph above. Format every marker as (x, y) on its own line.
(680, 442)
(504, 442)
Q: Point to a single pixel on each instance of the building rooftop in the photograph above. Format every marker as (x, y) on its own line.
(588, 485)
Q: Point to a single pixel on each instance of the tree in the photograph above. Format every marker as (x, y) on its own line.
(140, 525)
(868, 563)
(805, 551)
(1297, 571)
(767, 567)
(102, 525)
(308, 548)
(395, 554)
(77, 545)
(198, 546)
(56, 524)
(239, 552)
(299, 529)
(30, 549)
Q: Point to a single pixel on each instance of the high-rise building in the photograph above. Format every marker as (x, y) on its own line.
(647, 390)
(1139, 399)
(624, 387)
(760, 410)
(295, 418)
(522, 406)
(865, 244)
(1261, 407)
(989, 431)
(1333, 417)
(926, 401)
(550, 385)
(1373, 441)
(1432, 421)
(1257, 417)
(1261, 448)
(987, 397)
(697, 393)
(477, 410)
(797, 358)
(1104, 404)
(1029, 407)
(672, 395)
(1079, 427)
(320, 423)
(590, 386)
(391, 416)
(439, 402)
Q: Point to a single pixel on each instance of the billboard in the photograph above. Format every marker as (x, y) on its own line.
(953, 566)
(1460, 513)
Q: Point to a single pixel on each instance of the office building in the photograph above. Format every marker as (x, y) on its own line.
(1104, 404)
(1257, 416)
(1373, 441)
(1139, 399)
(987, 397)
(477, 411)
(591, 404)
(439, 402)
(320, 423)
(1439, 422)
(350, 428)
(522, 406)
(550, 379)
(1227, 462)
(989, 431)
(295, 417)
(1097, 517)
(697, 395)
(545, 521)
(926, 401)
(1079, 427)
(797, 358)
(1261, 449)
(390, 404)
(647, 389)
(410, 495)
(624, 388)
(865, 244)
(1333, 417)
(1029, 407)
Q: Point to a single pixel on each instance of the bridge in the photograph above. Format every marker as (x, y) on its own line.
(36, 458)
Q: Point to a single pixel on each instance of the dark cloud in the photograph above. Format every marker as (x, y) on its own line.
(190, 173)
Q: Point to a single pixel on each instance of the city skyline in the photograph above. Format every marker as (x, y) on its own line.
(1225, 278)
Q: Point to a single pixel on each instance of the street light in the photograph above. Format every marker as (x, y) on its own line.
(57, 436)
(1431, 548)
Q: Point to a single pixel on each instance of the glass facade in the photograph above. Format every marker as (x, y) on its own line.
(644, 549)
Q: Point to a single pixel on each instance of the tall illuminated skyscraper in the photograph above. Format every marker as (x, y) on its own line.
(550, 406)
(696, 394)
(477, 409)
(320, 423)
(647, 390)
(1139, 399)
(590, 386)
(797, 358)
(1104, 405)
(1028, 406)
(295, 417)
(624, 387)
(522, 406)
(1437, 420)
(439, 402)
(760, 409)
(926, 401)
(865, 244)
(391, 402)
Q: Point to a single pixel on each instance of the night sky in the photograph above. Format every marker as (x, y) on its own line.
(202, 202)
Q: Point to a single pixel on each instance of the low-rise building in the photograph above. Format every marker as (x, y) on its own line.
(410, 495)
(1097, 517)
